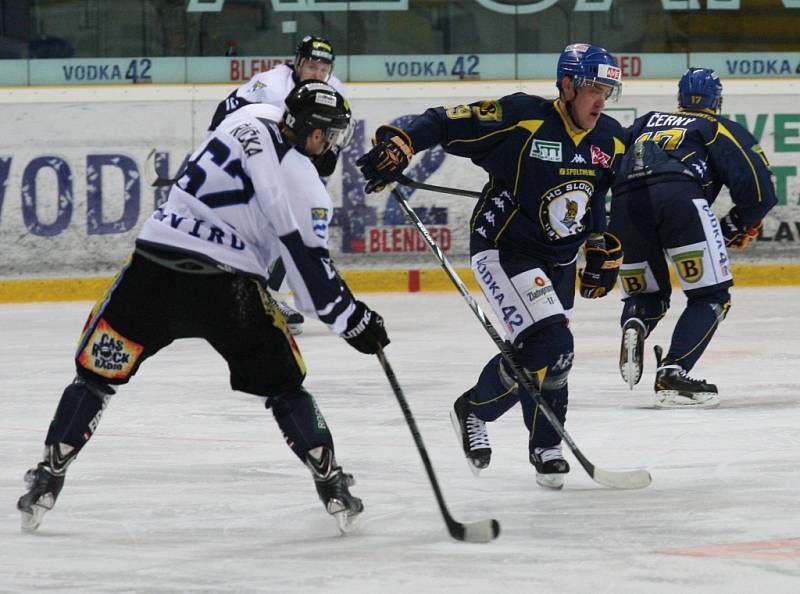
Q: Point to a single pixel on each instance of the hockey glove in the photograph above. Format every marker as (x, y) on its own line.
(737, 235)
(603, 258)
(387, 159)
(365, 331)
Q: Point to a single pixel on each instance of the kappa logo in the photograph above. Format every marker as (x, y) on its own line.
(599, 157)
(578, 158)
(546, 150)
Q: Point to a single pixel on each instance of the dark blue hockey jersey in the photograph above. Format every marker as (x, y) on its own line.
(547, 183)
(716, 150)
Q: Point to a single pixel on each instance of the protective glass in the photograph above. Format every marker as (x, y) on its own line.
(339, 136)
(612, 91)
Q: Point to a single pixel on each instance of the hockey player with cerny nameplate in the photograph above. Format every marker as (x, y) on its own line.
(677, 163)
(249, 195)
(549, 165)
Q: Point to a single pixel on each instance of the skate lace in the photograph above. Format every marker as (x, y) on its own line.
(476, 432)
(685, 375)
(285, 309)
(547, 454)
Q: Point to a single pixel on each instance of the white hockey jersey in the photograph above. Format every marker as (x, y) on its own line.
(247, 197)
(268, 88)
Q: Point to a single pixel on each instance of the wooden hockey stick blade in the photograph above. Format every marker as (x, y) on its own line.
(622, 479)
(150, 175)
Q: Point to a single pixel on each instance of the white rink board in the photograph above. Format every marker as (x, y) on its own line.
(72, 167)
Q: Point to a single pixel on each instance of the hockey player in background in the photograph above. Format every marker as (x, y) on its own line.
(549, 164)
(676, 165)
(249, 195)
(313, 60)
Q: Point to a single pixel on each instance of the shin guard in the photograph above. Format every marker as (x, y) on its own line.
(303, 426)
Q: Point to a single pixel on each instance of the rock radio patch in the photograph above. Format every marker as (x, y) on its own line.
(109, 354)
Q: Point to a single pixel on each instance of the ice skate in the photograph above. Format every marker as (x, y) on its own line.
(631, 352)
(471, 431)
(43, 489)
(333, 488)
(675, 389)
(294, 319)
(550, 467)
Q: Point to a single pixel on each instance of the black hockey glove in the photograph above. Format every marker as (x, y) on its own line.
(326, 162)
(365, 331)
(737, 235)
(387, 159)
(603, 259)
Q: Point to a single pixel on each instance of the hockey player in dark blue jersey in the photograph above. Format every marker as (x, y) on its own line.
(674, 169)
(549, 164)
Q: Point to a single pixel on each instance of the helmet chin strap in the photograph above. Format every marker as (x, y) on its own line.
(568, 108)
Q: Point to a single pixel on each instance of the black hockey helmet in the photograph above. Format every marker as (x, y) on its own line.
(313, 104)
(314, 48)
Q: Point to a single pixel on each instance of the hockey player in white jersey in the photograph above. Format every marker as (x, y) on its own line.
(313, 60)
(249, 195)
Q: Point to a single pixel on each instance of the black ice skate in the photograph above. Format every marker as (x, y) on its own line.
(631, 352)
(473, 435)
(675, 389)
(43, 489)
(332, 487)
(294, 319)
(550, 466)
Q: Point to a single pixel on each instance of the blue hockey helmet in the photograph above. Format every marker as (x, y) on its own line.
(589, 64)
(700, 88)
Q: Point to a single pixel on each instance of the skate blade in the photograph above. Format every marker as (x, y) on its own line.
(346, 521)
(671, 399)
(476, 470)
(550, 481)
(30, 521)
(631, 370)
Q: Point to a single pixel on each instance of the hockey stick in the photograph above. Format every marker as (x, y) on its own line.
(618, 479)
(151, 175)
(406, 181)
(481, 531)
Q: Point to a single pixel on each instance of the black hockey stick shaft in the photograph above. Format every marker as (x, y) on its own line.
(634, 479)
(406, 181)
(483, 531)
(157, 181)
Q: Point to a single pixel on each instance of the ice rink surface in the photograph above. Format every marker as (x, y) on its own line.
(188, 486)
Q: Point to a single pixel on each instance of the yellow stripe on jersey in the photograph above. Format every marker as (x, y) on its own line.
(575, 136)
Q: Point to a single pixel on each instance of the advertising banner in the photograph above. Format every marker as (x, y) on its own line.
(74, 170)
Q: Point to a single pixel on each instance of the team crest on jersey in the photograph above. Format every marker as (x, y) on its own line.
(319, 222)
(599, 157)
(689, 265)
(633, 280)
(109, 354)
(546, 150)
(563, 208)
